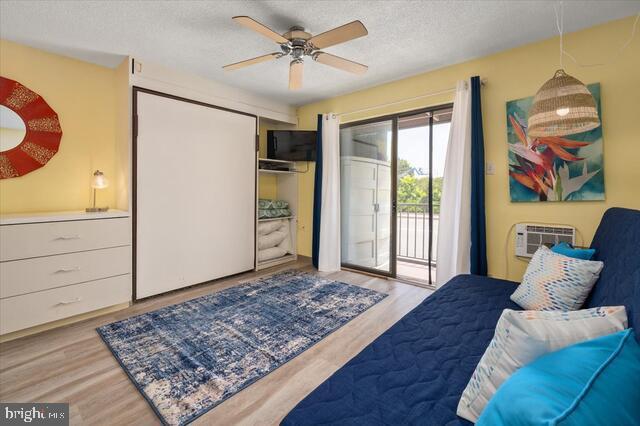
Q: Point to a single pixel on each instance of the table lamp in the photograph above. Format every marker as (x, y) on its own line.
(97, 182)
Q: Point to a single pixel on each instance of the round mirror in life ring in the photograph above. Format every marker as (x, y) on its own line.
(30, 131)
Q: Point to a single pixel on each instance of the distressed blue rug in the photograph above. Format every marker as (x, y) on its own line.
(190, 357)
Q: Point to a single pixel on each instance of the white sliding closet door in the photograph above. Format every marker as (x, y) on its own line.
(195, 193)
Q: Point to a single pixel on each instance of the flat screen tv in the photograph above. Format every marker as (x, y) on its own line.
(291, 145)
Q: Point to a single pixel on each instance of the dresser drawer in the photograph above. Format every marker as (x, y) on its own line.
(20, 312)
(44, 239)
(43, 273)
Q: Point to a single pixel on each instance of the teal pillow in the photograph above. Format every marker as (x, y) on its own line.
(566, 250)
(595, 382)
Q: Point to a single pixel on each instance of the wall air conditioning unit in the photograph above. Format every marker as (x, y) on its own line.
(529, 237)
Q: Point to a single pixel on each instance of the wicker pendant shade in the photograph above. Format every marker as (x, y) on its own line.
(562, 106)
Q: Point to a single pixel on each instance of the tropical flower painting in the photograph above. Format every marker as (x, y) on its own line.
(568, 168)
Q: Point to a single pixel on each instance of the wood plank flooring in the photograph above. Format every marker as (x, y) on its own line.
(72, 364)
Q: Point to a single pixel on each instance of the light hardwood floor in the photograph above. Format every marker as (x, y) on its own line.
(72, 364)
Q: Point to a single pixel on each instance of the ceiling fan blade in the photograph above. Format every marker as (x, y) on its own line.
(346, 32)
(251, 61)
(340, 63)
(256, 26)
(295, 75)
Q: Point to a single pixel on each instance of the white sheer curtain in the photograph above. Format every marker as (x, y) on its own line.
(454, 228)
(329, 252)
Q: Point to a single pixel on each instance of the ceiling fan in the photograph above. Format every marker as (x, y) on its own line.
(298, 43)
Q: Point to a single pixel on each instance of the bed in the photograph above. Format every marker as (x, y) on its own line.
(415, 372)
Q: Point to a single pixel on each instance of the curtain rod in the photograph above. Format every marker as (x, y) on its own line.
(426, 95)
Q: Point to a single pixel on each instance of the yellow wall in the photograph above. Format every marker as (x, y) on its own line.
(511, 75)
(83, 96)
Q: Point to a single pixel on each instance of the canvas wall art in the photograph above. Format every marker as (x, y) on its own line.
(568, 168)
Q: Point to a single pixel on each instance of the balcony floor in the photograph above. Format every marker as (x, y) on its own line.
(414, 271)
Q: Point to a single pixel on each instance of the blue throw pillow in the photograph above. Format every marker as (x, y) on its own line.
(590, 383)
(567, 250)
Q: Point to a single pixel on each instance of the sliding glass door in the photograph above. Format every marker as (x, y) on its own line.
(391, 182)
(422, 148)
(366, 196)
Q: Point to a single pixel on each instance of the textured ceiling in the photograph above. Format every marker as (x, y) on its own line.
(405, 37)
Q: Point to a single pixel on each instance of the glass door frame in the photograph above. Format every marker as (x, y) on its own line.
(394, 188)
(394, 118)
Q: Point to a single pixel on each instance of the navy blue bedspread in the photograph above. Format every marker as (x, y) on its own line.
(415, 372)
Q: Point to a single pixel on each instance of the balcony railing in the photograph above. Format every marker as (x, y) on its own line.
(413, 232)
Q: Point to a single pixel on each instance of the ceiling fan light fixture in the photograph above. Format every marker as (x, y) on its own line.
(562, 106)
(297, 43)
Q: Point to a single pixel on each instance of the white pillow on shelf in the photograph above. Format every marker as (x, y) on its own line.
(556, 282)
(265, 228)
(523, 336)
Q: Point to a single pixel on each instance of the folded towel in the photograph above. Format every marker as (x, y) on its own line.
(271, 240)
(273, 213)
(271, 253)
(279, 237)
(286, 242)
(272, 204)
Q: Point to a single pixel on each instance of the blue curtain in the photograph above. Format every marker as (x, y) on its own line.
(317, 196)
(478, 223)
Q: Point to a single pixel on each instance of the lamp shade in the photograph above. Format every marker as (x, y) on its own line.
(99, 181)
(562, 106)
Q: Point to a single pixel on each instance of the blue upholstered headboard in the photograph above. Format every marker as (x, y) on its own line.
(617, 244)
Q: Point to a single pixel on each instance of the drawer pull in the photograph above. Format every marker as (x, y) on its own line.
(68, 237)
(69, 302)
(62, 270)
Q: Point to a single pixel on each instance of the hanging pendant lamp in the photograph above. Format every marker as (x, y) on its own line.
(562, 106)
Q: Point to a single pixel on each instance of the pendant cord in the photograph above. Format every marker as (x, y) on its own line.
(560, 26)
(559, 11)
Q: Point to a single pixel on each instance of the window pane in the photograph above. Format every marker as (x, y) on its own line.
(365, 196)
(412, 218)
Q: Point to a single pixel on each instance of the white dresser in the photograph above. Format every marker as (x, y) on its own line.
(58, 265)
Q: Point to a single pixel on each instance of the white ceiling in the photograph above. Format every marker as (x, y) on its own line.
(405, 37)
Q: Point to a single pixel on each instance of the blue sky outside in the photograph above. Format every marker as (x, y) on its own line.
(413, 146)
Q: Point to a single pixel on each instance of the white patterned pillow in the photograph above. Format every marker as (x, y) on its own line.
(556, 282)
(523, 336)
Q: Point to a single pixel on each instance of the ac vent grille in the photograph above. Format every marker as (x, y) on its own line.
(550, 230)
(530, 237)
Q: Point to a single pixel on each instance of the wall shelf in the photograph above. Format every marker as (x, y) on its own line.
(277, 261)
(270, 160)
(290, 172)
(267, 165)
(268, 219)
(286, 188)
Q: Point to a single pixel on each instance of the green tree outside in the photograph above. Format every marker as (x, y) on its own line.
(415, 189)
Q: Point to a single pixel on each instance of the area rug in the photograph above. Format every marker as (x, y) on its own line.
(187, 358)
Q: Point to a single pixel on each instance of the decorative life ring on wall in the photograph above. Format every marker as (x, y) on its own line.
(41, 126)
